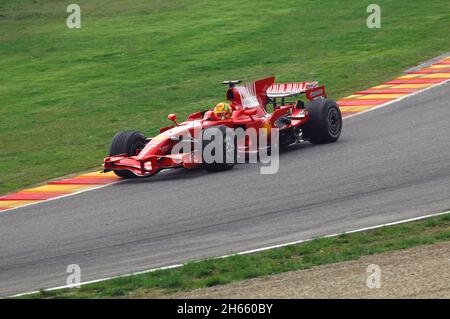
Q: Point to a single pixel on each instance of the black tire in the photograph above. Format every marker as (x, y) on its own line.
(228, 145)
(129, 142)
(325, 123)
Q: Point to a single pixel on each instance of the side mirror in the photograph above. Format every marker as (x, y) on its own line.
(173, 117)
(250, 112)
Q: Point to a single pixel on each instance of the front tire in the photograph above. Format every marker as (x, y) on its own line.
(325, 122)
(227, 143)
(129, 142)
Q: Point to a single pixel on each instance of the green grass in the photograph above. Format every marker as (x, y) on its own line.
(214, 272)
(64, 93)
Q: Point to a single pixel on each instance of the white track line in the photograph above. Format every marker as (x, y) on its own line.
(259, 249)
(338, 234)
(58, 197)
(239, 253)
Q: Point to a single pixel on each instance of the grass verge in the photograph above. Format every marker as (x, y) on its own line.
(65, 92)
(213, 272)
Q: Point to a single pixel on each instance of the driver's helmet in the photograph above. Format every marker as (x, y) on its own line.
(223, 110)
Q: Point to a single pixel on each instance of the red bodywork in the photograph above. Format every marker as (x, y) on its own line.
(156, 155)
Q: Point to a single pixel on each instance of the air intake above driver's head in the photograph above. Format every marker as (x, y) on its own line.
(231, 83)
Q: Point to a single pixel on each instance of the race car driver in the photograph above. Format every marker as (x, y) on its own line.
(223, 110)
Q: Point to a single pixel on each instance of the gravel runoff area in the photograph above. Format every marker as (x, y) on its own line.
(421, 272)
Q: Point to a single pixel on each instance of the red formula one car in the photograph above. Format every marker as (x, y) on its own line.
(319, 121)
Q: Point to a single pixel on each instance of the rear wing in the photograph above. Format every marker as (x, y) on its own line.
(283, 90)
(258, 93)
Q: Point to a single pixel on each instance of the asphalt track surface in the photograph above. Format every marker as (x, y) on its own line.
(390, 164)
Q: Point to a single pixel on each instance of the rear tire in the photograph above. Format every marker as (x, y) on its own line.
(129, 142)
(228, 145)
(325, 121)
